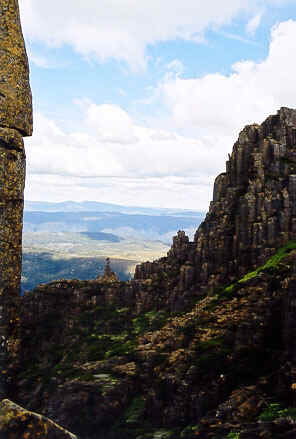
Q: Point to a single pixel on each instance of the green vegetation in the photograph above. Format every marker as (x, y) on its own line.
(272, 264)
(275, 410)
(119, 338)
(189, 432)
(104, 332)
(233, 435)
(212, 352)
(135, 411)
(107, 345)
(150, 321)
(163, 434)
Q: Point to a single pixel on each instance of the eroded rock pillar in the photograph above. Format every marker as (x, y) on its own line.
(15, 123)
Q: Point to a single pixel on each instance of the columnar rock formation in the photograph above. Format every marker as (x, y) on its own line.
(15, 123)
(253, 209)
(252, 212)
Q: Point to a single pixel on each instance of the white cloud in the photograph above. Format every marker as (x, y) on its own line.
(38, 60)
(221, 105)
(113, 158)
(111, 123)
(236, 37)
(123, 29)
(158, 192)
(100, 162)
(176, 67)
(114, 145)
(254, 23)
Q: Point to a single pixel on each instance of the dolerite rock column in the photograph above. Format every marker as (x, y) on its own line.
(252, 214)
(15, 123)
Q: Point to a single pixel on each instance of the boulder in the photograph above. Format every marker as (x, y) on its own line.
(17, 422)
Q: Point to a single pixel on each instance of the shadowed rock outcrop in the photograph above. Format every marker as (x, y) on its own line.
(95, 361)
(15, 122)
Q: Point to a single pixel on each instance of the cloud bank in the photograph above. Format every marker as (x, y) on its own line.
(123, 29)
(223, 104)
(115, 158)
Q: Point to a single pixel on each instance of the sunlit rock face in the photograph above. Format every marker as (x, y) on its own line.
(15, 93)
(15, 123)
(17, 422)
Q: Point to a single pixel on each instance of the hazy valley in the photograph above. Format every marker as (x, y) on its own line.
(72, 240)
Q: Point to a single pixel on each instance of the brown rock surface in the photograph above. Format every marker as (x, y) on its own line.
(17, 423)
(15, 92)
(15, 122)
(93, 362)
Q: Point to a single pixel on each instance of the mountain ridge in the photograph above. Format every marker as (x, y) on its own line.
(95, 206)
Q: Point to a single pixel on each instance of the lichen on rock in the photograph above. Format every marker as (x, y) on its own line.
(17, 422)
(15, 92)
(15, 123)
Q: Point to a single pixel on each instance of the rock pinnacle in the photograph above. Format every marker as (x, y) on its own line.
(15, 123)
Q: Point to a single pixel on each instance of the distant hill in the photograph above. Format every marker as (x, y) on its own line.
(45, 267)
(95, 206)
(72, 240)
(122, 222)
(100, 236)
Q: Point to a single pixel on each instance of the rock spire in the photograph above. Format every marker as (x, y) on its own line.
(15, 123)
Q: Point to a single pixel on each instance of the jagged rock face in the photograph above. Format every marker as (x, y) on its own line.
(252, 213)
(15, 122)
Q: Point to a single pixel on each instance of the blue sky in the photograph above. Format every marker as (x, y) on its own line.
(138, 102)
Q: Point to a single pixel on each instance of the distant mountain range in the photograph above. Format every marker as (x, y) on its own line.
(116, 222)
(95, 206)
(72, 240)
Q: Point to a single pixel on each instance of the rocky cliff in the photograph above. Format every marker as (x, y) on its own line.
(202, 342)
(252, 212)
(94, 363)
(15, 122)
